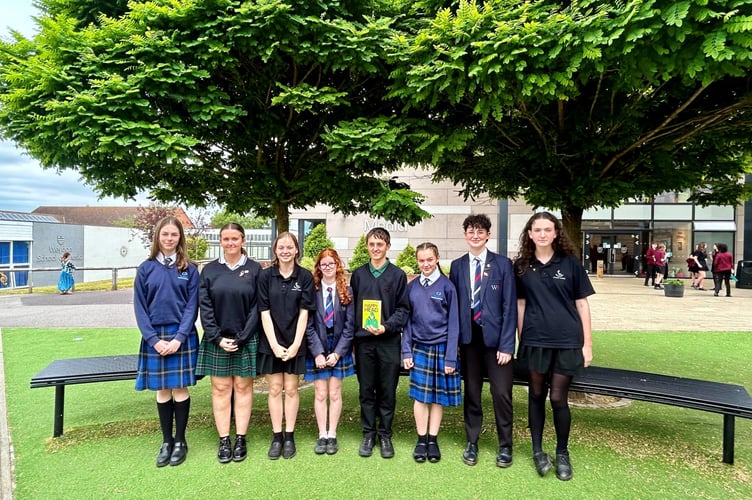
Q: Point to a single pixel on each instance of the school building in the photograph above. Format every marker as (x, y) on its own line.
(617, 238)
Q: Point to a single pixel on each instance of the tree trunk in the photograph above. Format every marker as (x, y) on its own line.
(282, 216)
(571, 219)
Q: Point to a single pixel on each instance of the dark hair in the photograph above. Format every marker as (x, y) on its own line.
(561, 244)
(379, 233)
(65, 256)
(280, 236)
(181, 251)
(429, 246)
(237, 227)
(339, 276)
(477, 221)
(722, 247)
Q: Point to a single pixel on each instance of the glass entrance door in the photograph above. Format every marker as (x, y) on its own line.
(615, 252)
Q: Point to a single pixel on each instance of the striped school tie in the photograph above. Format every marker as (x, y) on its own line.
(476, 291)
(329, 310)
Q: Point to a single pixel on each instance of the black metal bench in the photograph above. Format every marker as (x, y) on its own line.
(62, 372)
(729, 400)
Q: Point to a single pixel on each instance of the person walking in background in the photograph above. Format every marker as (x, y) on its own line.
(429, 350)
(165, 299)
(227, 353)
(377, 344)
(660, 266)
(700, 258)
(285, 297)
(650, 270)
(66, 281)
(555, 341)
(487, 305)
(330, 338)
(723, 265)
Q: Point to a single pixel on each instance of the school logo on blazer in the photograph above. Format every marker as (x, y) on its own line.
(495, 288)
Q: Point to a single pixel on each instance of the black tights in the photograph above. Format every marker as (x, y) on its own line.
(538, 389)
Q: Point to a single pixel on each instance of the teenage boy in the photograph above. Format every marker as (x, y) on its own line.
(487, 299)
(377, 345)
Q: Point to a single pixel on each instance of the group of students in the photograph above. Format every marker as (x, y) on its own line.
(721, 265)
(284, 321)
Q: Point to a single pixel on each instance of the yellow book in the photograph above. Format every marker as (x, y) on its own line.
(371, 313)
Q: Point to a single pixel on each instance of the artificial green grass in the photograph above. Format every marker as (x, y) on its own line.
(642, 450)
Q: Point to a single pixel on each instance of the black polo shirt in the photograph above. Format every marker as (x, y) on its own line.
(284, 298)
(550, 291)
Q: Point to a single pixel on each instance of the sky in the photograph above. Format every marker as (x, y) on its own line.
(24, 184)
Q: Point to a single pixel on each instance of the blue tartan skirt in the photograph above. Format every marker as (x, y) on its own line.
(428, 382)
(344, 367)
(176, 371)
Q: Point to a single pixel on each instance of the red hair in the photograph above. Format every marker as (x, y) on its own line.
(339, 277)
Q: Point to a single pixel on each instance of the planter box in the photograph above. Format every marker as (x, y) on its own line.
(673, 290)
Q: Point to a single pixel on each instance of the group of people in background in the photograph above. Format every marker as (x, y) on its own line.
(721, 265)
(285, 321)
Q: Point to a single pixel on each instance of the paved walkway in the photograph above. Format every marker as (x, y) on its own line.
(619, 304)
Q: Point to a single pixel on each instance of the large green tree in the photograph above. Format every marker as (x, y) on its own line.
(207, 101)
(581, 104)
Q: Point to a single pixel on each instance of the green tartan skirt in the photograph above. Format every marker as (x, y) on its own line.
(213, 360)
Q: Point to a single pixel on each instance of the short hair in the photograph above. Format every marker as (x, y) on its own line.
(477, 221)
(379, 233)
(722, 247)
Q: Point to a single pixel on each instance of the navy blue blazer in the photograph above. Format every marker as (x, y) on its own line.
(498, 301)
(344, 322)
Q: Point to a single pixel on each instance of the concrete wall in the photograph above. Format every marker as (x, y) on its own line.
(90, 246)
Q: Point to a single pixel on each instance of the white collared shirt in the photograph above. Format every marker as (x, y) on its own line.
(325, 293)
(432, 278)
(162, 258)
(482, 256)
(239, 263)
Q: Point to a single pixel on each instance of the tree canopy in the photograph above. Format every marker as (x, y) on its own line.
(266, 105)
(207, 101)
(575, 105)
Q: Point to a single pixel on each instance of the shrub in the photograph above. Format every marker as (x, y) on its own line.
(406, 258)
(316, 241)
(307, 263)
(360, 255)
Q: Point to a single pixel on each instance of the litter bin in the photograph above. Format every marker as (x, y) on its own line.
(744, 274)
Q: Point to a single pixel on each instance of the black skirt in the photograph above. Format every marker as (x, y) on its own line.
(547, 360)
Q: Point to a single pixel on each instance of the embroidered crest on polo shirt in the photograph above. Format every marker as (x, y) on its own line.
(296, 287)
(559, 276)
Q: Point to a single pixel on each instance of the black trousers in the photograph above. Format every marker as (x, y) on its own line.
(650, 274)
(378, 363)
(478, 360)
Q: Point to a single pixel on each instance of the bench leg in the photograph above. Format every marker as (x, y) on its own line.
(728, 439)
(59, 410)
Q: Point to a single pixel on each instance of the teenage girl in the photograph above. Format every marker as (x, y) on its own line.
(330, 338)
(227, 353)
(555, 340)
(429, 350)
(165, 298)
(285, 297)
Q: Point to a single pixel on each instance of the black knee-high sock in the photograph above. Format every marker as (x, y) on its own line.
(182, 408)
(165, 411)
